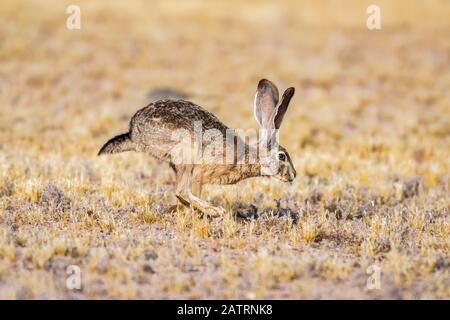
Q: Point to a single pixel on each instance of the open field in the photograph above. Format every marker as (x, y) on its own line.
(368, 132)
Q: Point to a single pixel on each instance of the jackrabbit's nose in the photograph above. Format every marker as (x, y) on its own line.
(293, 174)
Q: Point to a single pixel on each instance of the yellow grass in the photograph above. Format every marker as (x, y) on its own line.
(368, 131)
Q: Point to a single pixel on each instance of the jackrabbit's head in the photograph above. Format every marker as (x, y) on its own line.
(269, 113)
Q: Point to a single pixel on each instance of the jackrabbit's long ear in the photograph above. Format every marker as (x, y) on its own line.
(266, 100)
(282, 107)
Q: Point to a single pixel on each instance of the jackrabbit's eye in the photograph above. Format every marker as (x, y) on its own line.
(281, 156)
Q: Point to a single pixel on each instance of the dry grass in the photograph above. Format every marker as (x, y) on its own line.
(368, 130)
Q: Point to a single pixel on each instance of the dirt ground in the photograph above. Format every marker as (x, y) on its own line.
(368, 131)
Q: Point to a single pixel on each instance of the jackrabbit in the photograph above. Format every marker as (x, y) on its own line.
(166, 129)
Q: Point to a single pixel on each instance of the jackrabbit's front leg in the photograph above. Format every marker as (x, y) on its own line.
(189, 189)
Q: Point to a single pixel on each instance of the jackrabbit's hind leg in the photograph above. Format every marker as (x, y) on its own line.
(196, 188)
(188, 183)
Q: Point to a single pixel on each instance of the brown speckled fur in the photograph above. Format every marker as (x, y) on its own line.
(151, 131)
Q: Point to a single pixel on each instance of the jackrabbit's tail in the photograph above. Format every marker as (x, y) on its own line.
(120, 143)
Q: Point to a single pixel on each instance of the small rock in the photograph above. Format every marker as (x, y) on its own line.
(247, 213)
(283, 212)
(287, 212)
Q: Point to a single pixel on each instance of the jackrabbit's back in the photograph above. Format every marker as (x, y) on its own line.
(174, 114)
(152, 127)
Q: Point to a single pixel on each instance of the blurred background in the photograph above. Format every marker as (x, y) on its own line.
(369, 124)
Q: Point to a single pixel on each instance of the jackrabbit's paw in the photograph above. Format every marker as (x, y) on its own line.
(214, 212)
